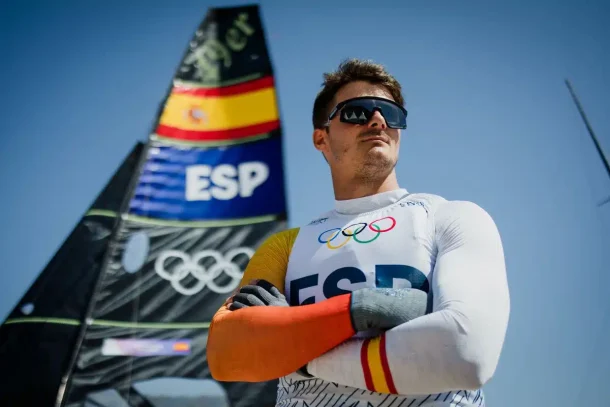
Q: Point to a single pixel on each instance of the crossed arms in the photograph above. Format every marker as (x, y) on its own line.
(455, 347)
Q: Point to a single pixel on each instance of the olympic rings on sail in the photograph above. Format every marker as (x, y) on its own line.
(354, 230)
(205, 277)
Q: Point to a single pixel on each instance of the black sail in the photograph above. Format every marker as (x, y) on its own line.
(208, 191)
(204, 192)
(39, 335)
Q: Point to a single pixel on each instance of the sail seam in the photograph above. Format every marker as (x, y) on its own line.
(202, 223)
(178, 142)
(219, 84)
(104, 322)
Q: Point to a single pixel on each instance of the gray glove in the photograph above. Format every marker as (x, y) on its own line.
(385, 308)
(260, 293)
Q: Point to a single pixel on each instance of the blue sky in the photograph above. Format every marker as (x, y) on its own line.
(490, 120)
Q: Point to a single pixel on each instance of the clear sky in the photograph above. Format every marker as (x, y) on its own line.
(490, 120)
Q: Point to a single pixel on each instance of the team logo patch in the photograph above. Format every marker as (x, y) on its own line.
(317, 221)
(195, 114)
(413, 203)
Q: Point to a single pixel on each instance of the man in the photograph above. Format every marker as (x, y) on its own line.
(391, 299)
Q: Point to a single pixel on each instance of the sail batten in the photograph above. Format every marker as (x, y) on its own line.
(101, 322)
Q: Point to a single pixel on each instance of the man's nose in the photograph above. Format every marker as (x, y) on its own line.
(377, 120)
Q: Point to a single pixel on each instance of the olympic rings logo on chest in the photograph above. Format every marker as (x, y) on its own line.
(377, 227)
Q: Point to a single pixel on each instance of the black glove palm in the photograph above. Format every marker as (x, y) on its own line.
(260, 293)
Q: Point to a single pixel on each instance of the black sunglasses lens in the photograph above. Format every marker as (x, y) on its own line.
(393, 116)
(361, 111)
(355, 115)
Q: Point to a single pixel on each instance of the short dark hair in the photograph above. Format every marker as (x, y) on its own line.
(352, 70)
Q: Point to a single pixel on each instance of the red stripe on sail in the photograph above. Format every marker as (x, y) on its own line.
(251, 86)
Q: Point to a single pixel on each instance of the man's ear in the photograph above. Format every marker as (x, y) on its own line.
(319, 138)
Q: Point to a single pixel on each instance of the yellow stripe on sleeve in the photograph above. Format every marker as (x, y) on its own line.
(375, 366)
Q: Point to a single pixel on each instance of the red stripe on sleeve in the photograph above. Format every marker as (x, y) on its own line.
(386, 367)
(364, 359)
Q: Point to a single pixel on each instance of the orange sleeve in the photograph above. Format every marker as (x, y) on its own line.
(263, 343)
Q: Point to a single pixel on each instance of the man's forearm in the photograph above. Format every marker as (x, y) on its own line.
(264, 343)
(312, 329)
(428, 355)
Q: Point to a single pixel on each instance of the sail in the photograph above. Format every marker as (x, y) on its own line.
(207, 192)
(39, 335)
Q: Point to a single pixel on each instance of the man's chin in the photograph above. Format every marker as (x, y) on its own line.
(377, 157)
(379, 152)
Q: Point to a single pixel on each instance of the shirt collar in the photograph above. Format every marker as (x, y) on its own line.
(369, 203)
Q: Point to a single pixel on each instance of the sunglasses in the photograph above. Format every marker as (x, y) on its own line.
(360, 110)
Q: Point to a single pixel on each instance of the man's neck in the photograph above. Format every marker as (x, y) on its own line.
(358, 188)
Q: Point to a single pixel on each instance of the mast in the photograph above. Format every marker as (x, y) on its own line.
(598, 147)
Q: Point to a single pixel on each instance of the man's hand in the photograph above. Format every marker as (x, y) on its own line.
(385, 308)
(257, 293)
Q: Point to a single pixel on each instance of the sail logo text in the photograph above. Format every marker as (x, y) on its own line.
(213, 53)
(225, 181)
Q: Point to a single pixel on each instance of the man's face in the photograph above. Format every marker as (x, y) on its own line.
(365, 151)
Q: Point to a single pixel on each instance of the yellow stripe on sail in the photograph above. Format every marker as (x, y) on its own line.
(196, 113)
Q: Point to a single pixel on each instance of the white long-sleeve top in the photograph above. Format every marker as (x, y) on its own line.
(451, 249)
